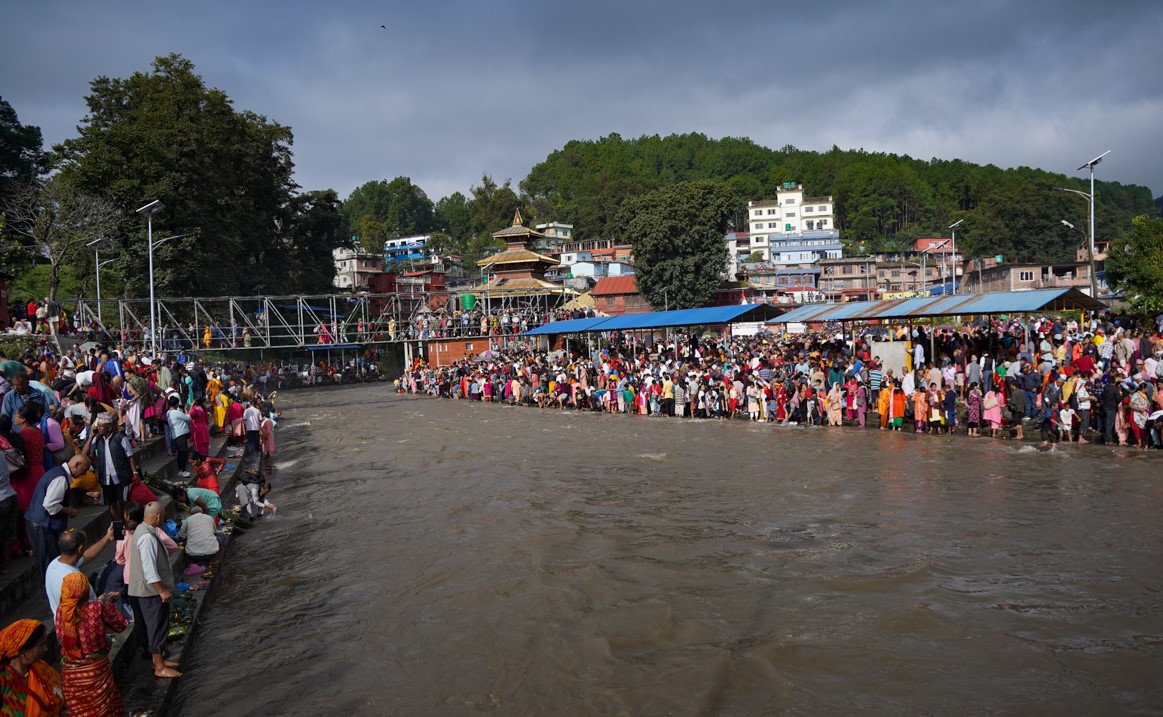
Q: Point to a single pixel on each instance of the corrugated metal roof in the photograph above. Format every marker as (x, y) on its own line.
(661, 319)
(1000, 302)
(610, 285)
(571, 326)
(683, 317)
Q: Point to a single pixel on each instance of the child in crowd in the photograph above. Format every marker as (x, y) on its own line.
(1065, 421)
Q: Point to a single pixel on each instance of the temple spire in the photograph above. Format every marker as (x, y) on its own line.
(517, 220)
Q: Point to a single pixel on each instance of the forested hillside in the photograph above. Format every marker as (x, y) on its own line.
(882, 200)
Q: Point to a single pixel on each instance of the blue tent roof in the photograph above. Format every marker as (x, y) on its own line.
(999, 302)
(660, 319)
(691, 317)
(571, 326)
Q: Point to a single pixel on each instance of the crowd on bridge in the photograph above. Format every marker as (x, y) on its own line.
(1053, 376)
(71, 428)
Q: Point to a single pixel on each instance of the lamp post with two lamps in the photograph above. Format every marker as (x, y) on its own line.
(97, 244)
(1090, 200)
(953, 256)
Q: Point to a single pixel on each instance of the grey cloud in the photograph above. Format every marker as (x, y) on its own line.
(452, 90)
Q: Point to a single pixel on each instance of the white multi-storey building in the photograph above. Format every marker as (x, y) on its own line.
(792, 228)
(355, 267)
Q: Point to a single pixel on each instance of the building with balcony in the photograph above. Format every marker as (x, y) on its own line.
(850, 276)
(406, 249)
(792, 228)
(355, 268)
(985, 275)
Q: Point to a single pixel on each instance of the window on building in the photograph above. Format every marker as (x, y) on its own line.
(773, 211)
(758, 212)
(790, 215)
(823, 208)
(823, 222)
(1025, 276)
(847, 269)
(811, 225)
(759, 225)
(790, 200)
(808, 209)
(896, 273)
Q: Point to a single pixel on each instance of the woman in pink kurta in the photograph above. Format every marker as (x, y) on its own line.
(200, 428)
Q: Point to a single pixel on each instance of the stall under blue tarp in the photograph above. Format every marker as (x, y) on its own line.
(709, 316)
(998, 302)
(570, 326)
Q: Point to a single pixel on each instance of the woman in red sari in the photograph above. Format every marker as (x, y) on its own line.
(234, 421)
(27, 422)
(89, 688)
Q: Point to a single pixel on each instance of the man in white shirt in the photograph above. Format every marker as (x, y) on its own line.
(74, 555)
(252, 418)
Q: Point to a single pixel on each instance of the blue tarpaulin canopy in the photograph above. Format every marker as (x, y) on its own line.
(709, 316)
(998, 302)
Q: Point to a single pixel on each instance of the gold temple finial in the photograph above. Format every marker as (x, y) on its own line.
(517, 221)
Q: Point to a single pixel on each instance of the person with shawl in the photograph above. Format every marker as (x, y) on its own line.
(82, 625)
(973, 409)
(199, 428)
(834, 404)
(861, 403)
(234, 421)
(850, 394)
(28, 686)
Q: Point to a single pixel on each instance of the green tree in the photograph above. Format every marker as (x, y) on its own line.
(382, 210)
(22, 157)
(454, 218)
(319, 227)
(756, 257)
(22, 160)
(1135, 263)
(677, 234)
(223, 174)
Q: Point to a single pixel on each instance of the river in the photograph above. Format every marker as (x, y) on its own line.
(432, 557)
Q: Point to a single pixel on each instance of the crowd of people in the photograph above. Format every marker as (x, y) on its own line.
(1063, 380)
(71, 428)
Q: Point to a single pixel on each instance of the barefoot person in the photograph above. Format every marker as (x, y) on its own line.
(151, 581)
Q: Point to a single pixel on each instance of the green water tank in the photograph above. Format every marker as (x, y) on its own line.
(468, 302)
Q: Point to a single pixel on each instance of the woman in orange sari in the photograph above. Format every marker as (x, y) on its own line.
(28, 686)
(89, 688)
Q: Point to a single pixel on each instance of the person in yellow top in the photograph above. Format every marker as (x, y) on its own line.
(206, 336)
(213, 388)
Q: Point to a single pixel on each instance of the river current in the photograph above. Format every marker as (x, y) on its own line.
(432, 557)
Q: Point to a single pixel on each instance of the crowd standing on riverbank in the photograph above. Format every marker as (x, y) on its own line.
(1060, 379)
(69, 431)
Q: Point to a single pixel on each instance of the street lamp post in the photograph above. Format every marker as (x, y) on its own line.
(1090, 253)
(148, 211)
(953, 256)
(1090, 199)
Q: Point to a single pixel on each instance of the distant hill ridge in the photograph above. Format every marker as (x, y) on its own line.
(882, 200)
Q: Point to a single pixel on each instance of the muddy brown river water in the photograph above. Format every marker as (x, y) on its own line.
(432, 557)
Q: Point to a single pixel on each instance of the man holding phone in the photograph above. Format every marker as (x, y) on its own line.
(74, 555)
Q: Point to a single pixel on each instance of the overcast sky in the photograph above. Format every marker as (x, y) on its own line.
(451, 89)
